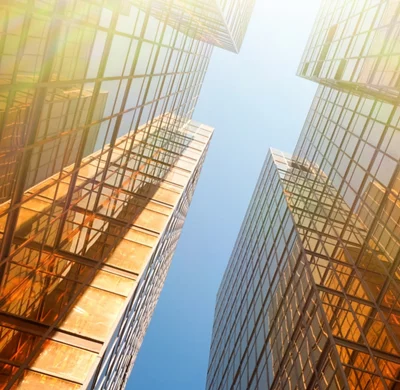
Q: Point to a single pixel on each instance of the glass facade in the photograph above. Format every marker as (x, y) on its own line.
(99, 159)
(222, 23)
(76, 75)
(355, 44)
(363, 162)
(310, 295)
(80, 283)
(310, 298)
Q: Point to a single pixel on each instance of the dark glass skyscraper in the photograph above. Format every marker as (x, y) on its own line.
(99, 159)
(311, 295)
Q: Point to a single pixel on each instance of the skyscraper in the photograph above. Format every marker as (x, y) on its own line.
(222, 23)
(310, 297)
(76, 306)
(354, 45)
(99, 159)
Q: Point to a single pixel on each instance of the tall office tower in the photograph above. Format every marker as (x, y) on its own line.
(99, 158)
(310, 298)
(222, 23)
(311, 295)
(354, 45)
(81, 282)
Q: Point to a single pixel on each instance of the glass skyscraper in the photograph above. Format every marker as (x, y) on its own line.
(222, 23)
(99, 159)
(311, 295)
(354, 44)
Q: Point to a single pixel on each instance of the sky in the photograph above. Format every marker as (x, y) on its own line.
(255, 101)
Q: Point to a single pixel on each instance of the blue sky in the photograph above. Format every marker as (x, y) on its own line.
(255, 101)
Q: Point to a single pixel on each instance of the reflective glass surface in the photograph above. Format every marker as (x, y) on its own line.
(355, 44)
(99, 159)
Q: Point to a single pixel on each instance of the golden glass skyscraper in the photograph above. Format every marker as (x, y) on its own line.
(310, 298)
(354, 45)
(99, 159)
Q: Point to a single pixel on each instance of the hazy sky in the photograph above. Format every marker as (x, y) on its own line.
(255, 101)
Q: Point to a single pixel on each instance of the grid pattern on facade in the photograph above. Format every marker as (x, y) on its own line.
(353, 139)
(249, 289)
(310, 296)
(328, 315)
(352, 274)
(61, 301)
(222, 23)
(76, 75)
(354, 44)
(362, 159)
(117, 362)
(269, 320)
(96, 147)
